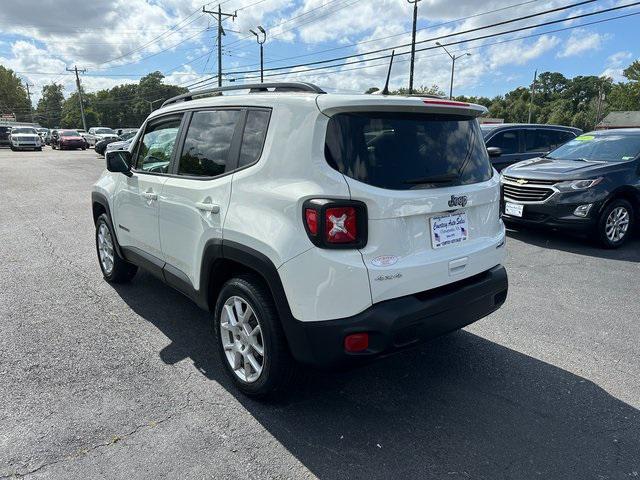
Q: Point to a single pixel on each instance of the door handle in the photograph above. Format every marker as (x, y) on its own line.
(150, 195)
(208, 207)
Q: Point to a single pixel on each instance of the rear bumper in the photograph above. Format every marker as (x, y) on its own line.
(399, 323)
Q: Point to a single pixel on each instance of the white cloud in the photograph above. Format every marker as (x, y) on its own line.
(521, 52)
(581, 41)
(616, 64)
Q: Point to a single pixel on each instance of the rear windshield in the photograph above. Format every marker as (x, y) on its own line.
(69, 133)
(403, 151)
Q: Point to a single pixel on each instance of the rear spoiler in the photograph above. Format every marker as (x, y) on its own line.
(330, 105)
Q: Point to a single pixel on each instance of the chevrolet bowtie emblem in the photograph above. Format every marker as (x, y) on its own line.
(522, 181)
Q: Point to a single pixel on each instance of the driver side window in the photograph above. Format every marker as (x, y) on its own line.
(155, 148)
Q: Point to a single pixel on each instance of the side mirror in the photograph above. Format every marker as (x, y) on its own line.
(119, 161)
(494, 151)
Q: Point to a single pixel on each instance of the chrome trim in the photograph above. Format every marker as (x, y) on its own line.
(530, 183)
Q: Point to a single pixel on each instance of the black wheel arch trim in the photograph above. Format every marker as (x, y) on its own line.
(100, 199)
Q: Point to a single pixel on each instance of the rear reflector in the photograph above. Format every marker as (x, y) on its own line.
(311, 217)
(356, 342)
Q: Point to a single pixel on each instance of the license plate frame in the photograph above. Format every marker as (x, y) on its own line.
(451, 228)
(514, 209)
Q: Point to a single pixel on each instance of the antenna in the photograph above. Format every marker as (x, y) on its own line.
(385, 91)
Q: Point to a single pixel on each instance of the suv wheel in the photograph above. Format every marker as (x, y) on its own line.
(114, 268)
(615, 223)
(250, 340)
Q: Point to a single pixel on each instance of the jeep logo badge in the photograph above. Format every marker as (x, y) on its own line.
(458, 201)
(522, 181)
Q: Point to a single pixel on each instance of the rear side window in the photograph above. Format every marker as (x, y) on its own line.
(208, 142)
(506, 141)
(544, 140)
(255, 131)
(402, 151)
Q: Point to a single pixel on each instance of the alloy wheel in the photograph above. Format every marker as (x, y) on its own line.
(617, 224)
(242, 339)
(105, 248)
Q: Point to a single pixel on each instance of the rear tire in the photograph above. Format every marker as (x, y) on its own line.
(616, 223)
(239, 347)
(115, 269)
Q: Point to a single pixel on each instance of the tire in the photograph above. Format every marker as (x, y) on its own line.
(118, 270)
(278, 368)
(39, 149)
(611, 229)
(83, 148)
(13, 149)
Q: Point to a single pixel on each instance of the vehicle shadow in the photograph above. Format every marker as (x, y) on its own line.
(575, 243)
(459, 407)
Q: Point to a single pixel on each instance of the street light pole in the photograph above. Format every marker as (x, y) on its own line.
(261, 43)
(453, 66)
(413, 43)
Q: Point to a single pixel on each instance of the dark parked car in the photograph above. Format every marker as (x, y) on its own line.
(101, 145)
(68, 139)
(591, 184)
(509, 143)
(4, 136)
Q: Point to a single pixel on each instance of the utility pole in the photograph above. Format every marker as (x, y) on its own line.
(453, 66)
(75, 69)
(413, 42)
(601, 97)
(27, 85)
(261, 43)
(219, 16)
(533, 94)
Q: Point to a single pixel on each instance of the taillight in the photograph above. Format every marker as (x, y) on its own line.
(336, 223)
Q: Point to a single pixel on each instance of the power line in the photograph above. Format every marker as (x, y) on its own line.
(346, 57)
(377, 39)
(302, 72)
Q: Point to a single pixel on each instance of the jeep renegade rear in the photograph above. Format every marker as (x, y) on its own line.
(320, 230)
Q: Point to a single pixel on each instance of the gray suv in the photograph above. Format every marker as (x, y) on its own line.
(509, 143)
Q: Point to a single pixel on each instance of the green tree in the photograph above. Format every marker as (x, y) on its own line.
(632, 72)
(13, 95)
(71, 115)
(49, 109)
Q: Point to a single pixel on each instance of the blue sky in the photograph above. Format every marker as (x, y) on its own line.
(118, 41)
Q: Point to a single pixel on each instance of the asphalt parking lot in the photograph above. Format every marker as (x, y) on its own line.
(120, 382)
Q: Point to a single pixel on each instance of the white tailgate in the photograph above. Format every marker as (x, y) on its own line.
(400, 255)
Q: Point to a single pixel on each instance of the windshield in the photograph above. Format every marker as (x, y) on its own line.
(103, 131)
(402, 151)
(608, 147)
(28, 131)
(488, 128)
(127, 135)
(70, 133)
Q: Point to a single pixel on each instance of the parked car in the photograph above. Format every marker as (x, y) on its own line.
(590, 184)
(509, 143)
(96, 134)
(23, 138)
(344, 242)
(43, 132)
(126, 137)
(5, 131)
(101, 145)
(68, 140)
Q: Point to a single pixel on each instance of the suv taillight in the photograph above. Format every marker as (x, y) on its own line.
(335, 223)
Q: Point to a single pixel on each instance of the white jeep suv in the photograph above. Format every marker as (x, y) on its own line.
(319, 229)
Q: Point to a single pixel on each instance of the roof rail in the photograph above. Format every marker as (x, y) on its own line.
(252, 87)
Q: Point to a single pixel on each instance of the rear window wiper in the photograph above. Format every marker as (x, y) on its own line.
(444, 178)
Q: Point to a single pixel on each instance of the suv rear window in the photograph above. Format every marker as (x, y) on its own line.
(402, 151)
